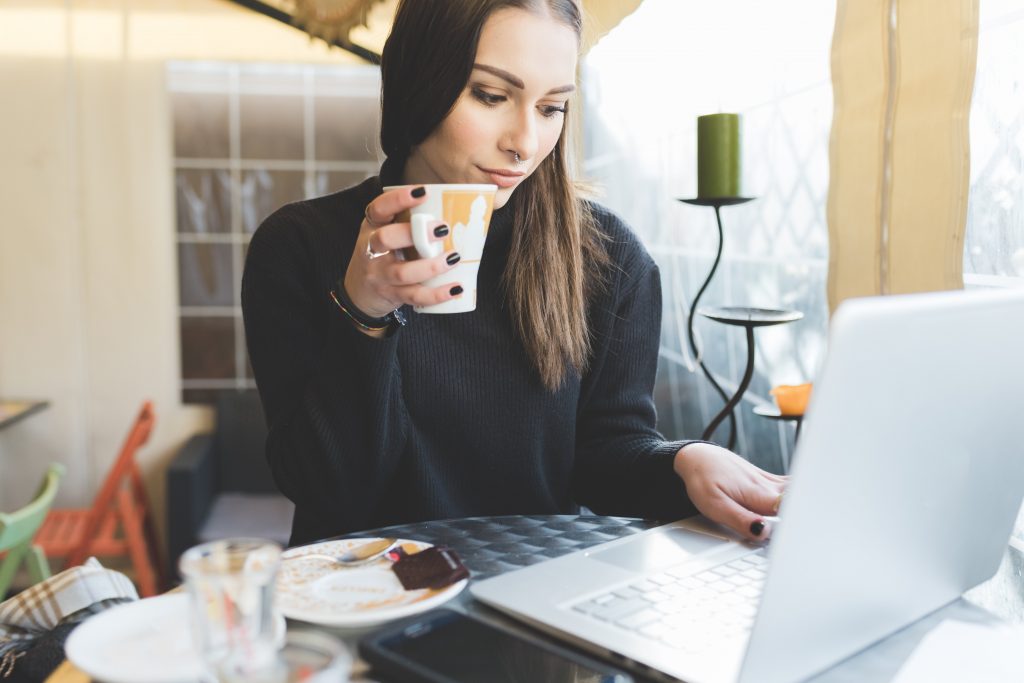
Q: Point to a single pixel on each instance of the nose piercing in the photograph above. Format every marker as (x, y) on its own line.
(516, 156)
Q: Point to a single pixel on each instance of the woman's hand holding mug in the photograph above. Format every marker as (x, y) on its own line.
(445, 225)
(378, 280)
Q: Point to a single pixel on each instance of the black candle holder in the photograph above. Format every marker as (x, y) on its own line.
(748, 318)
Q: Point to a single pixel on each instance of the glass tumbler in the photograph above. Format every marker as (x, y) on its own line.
(314, 657)
(236, 628)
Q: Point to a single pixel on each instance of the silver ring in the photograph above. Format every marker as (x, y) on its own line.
(516, 156)
(371, 254)
(366, 215)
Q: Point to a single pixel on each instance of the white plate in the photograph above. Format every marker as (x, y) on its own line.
(147, 641)
(321, 592)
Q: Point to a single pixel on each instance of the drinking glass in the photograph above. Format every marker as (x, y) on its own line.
(314, 657)
(237, 630)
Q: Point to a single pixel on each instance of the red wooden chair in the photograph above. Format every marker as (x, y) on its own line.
(120, 521)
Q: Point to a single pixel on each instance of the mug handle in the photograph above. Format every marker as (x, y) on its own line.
(426, 247)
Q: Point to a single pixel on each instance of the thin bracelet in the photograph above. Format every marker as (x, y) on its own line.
(356, 320)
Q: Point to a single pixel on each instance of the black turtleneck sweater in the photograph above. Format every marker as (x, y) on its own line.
(447, 417)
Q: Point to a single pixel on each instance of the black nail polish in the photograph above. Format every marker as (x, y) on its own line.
(419, 192)
(453, 258)
(441, 231)
(756, 527)
(456, 290)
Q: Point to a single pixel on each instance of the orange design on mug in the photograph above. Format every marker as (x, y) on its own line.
(468, 214)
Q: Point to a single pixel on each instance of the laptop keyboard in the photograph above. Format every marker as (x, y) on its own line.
(687, 611)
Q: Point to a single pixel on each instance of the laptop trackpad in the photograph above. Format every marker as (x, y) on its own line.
(658, 550)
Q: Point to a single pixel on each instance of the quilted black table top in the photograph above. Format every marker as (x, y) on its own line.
(490, 546)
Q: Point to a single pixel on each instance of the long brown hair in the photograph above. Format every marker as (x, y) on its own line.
(558, 257)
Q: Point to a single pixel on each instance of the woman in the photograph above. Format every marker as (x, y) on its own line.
(539, 401)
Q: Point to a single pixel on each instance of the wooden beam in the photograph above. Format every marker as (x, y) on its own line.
(902, 77)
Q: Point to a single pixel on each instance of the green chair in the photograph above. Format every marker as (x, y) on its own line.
(17, 529)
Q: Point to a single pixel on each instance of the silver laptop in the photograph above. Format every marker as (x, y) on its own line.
(906, 483)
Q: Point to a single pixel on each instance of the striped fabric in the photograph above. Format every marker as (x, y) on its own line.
(36, 610)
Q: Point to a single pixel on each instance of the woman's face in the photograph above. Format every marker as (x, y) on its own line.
(514, 102)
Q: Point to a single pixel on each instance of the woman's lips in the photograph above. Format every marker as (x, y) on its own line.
(502, 178)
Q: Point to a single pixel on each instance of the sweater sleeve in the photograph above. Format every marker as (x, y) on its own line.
(332, 395)
(623, 465)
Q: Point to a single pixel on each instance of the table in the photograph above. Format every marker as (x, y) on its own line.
(13, 411)
(493, 545)
(490, 546)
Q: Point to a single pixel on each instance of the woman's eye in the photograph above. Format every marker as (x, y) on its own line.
(491, 99)
(550, 111)
(488, 98)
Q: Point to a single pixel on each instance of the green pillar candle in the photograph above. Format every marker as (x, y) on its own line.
(718, 156)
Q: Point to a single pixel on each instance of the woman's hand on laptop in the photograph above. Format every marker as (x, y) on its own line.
(729, 490)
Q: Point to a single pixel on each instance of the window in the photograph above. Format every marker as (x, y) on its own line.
(646, 82)
(994, 243)
(248, 139)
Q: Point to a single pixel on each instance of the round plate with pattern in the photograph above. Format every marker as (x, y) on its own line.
(322, 592)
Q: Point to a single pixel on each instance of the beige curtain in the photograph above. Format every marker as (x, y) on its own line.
(88, 275)
(601, 16)
(903, 73)
(90, 325)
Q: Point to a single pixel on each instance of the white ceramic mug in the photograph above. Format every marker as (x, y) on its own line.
(466, 209)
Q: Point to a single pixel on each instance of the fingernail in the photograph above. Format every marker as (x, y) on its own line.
(456, 290)
(756, 527)
(441, 231)
(453, 258)
(419, 192)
